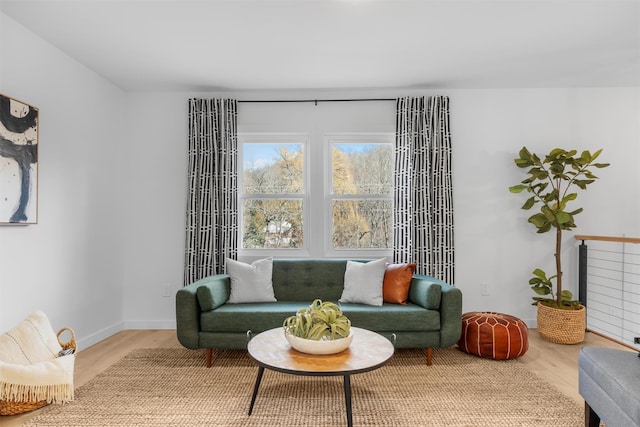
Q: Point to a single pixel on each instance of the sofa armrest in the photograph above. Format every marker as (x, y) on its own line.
(188, 316)
(213, 291)
(426, 291)
(203, 295)
(450, 315)
(434, 294)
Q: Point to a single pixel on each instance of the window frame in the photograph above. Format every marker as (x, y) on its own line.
(351, 138)
(317, 195)
(304, 196)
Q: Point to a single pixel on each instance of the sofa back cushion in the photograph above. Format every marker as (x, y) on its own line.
(307, 279)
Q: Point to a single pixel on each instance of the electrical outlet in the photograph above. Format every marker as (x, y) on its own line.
(484, 289)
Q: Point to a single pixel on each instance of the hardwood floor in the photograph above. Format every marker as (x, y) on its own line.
(556, 363)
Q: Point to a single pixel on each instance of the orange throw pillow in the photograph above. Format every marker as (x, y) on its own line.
(397, 279)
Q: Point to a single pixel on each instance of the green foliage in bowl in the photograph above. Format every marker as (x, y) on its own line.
(320, 321)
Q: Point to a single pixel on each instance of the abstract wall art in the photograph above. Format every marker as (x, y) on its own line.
(18, 162)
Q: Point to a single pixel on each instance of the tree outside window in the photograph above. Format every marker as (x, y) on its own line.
(359, 203)
(362, 175)
(273, 186)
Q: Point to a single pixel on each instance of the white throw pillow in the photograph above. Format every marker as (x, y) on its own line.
(363, 282)
(250, 283)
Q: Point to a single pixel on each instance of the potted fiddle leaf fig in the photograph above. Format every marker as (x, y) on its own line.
(552, 182)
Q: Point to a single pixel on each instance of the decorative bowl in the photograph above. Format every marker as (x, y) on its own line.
(319, 346)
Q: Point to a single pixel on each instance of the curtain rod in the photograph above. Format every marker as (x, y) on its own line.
(320, 100)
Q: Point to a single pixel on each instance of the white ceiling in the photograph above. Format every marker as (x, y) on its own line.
(219, 45)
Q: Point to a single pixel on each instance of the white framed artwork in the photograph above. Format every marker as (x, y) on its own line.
(18, 162)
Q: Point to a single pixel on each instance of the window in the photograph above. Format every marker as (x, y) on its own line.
(272, 191)
(295, 201)
(361, 195)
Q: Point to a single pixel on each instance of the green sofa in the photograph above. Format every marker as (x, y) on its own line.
(430, 319)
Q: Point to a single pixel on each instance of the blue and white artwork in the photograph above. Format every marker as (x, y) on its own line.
(18, 162)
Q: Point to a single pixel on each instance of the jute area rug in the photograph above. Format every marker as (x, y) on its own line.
(172, 387)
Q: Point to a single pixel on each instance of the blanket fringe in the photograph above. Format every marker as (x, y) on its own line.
(56, 393)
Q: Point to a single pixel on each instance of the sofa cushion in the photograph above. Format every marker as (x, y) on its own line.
(363, 282)
(305, 280)
(397, 280)
(256, 317)
(250, 283)
(259, 317)
(392, 317)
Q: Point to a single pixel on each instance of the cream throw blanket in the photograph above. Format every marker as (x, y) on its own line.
(30, 369)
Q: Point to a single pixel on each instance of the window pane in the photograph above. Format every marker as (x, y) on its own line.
(359, 224)
(362, 168)
(272, 223)
(272, 168)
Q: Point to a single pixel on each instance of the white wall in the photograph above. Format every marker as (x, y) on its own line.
(154, 250)
(113, 187)
(494, 243)
(70, 264)
(156, 200)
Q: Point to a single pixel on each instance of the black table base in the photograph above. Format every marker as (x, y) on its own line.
(347, 395)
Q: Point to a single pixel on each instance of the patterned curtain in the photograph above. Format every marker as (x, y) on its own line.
(212, 211)
(423, 212)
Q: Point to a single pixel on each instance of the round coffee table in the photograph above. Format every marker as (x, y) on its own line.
(368, 351)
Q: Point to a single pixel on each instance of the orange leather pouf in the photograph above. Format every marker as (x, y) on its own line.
(493, 335)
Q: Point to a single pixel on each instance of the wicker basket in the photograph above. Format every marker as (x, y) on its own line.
(10, 407)
(561, 326)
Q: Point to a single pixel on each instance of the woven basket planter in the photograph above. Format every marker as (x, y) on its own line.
(12, 407)
(562, 326)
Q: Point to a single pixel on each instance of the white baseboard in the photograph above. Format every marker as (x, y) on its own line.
(99, 336)
(150, 324)
(121, 326)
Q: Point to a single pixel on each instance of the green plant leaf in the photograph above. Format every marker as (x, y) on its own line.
(563, 217)
(544, 229)
(576, 212)
(551, 196)
(542, 174)
(529, 203)
(556, 168)
(540, 274)
(518, 188)
(586, 157)
(524, 153)
(548, 213)
(556, 152)
(536, 300)
(321, 320)
(541, 290)
(566, 295)
(539, 220)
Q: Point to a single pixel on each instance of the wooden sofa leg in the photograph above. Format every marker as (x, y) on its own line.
(591, 419)
(429, 356)
(209, 352)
